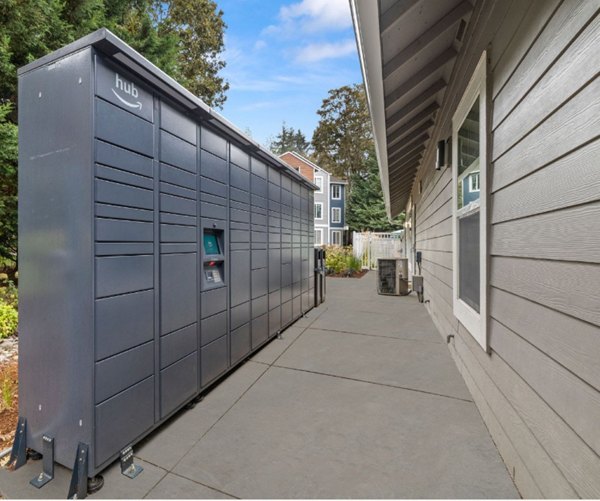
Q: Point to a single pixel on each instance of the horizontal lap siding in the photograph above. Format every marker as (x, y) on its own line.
(539, 387)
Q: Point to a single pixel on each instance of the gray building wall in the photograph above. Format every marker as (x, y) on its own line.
(538, 388)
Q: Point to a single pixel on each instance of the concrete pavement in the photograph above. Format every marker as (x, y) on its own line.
(360, 399)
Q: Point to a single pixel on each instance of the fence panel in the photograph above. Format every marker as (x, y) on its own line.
(370, 246)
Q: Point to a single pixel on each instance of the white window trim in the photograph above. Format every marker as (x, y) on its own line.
(475, 323)
(320, 190)
(319, 218)
(339, 187)
(333, 211)
(471, 177)
(320, 232)
(339, 232)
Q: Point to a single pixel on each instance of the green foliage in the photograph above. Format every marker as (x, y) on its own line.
(198, 27)
(6, 391)
(341, 261)
(182, 37)
(343, 135)
(289, 139)
(365, 209)
(9, 320)
(8, 184)
(9, 295)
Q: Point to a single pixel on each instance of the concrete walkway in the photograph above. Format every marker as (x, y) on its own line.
(361, 399)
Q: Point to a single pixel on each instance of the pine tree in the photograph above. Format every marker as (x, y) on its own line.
(289, 139)
(365, 210)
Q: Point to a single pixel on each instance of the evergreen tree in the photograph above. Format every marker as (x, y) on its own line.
(8, 185)
(289, 139)
(365, 210)
(182, 37)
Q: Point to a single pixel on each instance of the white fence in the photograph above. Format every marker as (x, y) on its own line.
(368, 247)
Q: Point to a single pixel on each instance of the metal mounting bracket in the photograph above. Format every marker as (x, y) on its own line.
(47, 464)
(128, 467)
(18, 454)
(279, 335)
(78, 489)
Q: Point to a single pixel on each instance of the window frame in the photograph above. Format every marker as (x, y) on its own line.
(477, 88)
(339, 187)
(320, 204)
(320, 178)
(339, 210)
(320, 232)
(339, 232)
(471, 177)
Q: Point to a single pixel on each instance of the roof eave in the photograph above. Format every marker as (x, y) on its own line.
(365, 17)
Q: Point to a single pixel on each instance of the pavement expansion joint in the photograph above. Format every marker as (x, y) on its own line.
(431, 393)
(378, 335)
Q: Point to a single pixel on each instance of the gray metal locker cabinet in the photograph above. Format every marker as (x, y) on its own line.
(214, 202)
(138, 207)
(239, 200)
(259, 254)
(286, 250)
(296, 252)
(274, 251)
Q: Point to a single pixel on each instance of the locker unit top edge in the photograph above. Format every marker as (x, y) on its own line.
(107, 43)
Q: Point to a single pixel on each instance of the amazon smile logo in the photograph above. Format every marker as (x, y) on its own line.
(128, 88)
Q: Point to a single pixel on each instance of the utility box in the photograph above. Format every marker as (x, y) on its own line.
(158, 248)
(392, 276)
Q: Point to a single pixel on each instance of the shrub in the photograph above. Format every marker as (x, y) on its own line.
(9, 294)
(9, 320)
(340, 260)
(7, 390)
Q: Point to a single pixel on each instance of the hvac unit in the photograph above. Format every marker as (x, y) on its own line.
(392, 276)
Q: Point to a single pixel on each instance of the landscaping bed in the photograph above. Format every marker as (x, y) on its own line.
(9, 401)
(353, 274)
(9, 381)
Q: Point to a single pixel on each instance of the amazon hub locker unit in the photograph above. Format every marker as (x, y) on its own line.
(158, 248)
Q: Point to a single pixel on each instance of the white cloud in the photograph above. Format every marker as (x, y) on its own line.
(317, 52)
(318, 14)
(260, 44)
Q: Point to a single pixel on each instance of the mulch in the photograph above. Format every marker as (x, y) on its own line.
(357, 274)
(8, 417)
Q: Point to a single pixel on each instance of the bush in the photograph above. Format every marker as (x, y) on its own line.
(9, 295)
(341, 261)
(9, 320)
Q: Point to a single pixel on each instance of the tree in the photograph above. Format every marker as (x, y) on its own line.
(182, 37)
(365, 210)
(199, 27)
(343, 135)
(289, 139)
(8, 185)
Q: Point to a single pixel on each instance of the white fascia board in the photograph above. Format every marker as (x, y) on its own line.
(365, 16)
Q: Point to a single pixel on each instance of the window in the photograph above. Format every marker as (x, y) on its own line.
(318, 210)
(336, 215)
(319, 183)
(318, 236)
(474, 182)
(469, 214)
(336, 237)
(336, 192)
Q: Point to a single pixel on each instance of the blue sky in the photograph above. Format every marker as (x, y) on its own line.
(282, 59)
